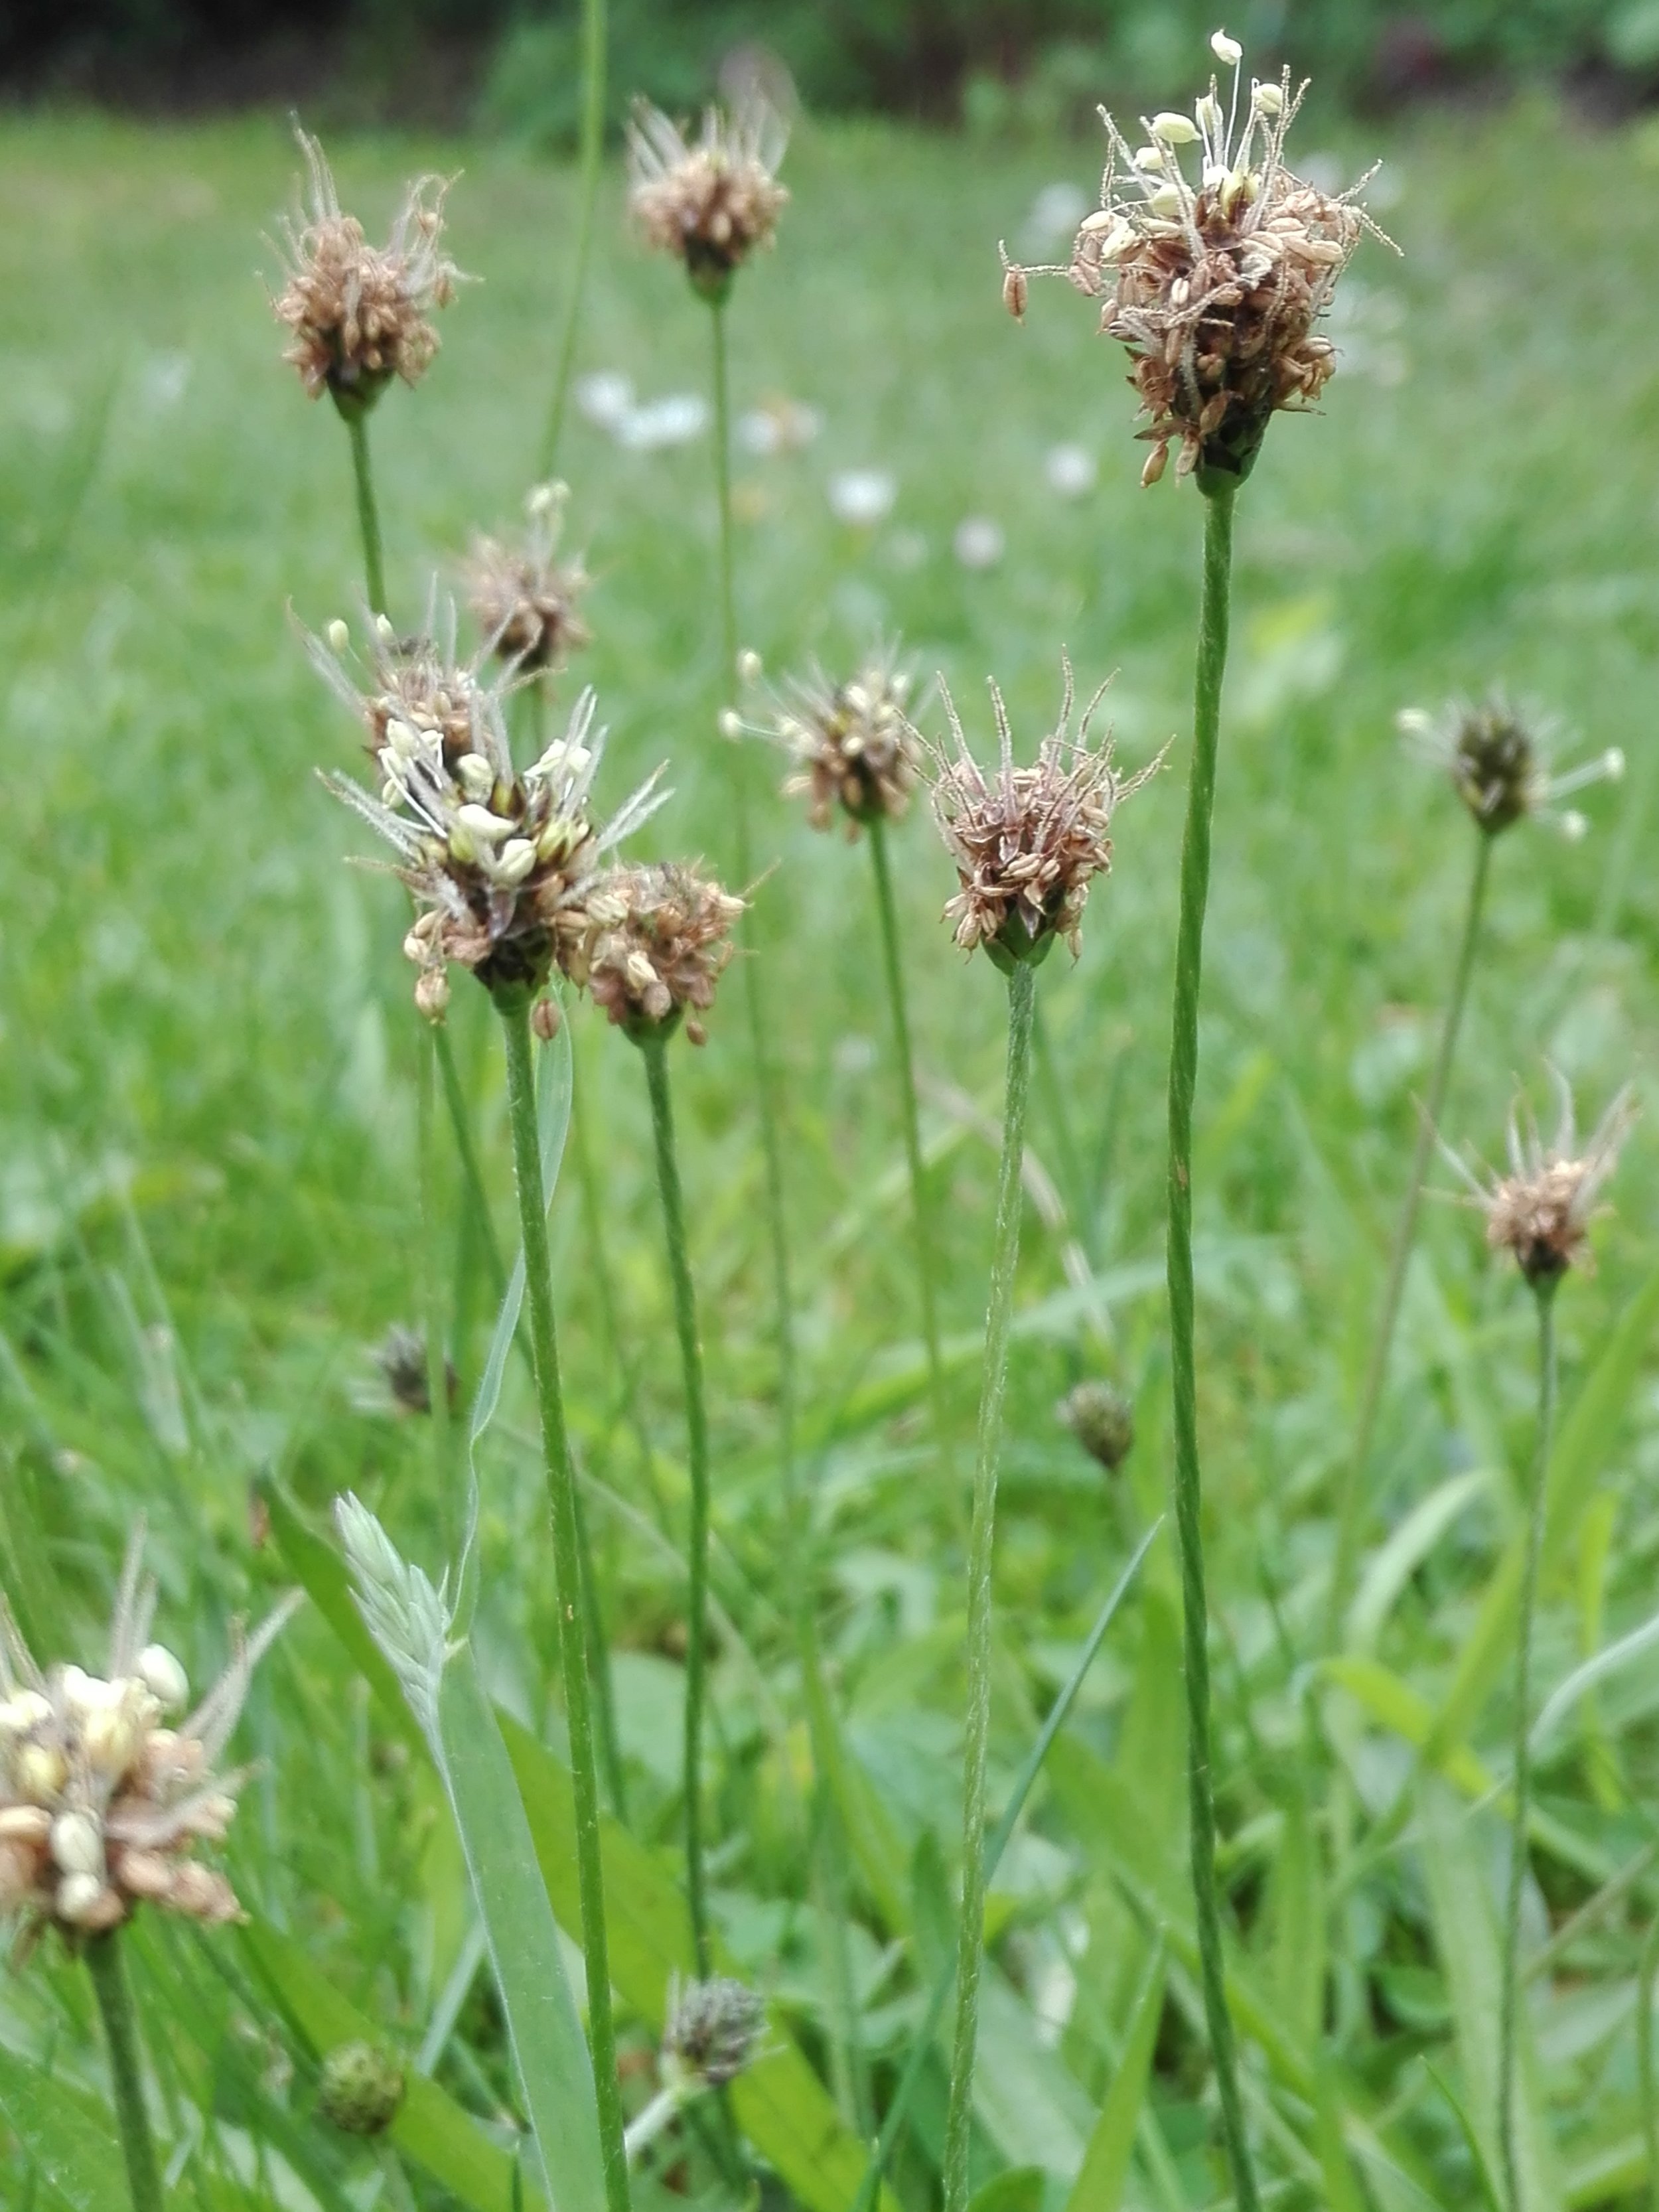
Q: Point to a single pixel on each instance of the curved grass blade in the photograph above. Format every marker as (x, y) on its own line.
(1099, 2185)
(67, 2134)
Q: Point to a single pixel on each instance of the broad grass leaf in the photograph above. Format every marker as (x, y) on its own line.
(1105, 2168)
(1392, 1566)
(1018, 2189)
(68, 2133)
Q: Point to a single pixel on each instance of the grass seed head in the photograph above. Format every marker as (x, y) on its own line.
(1216, 286)
(1498, 758)
(1541, 1210)
(712, 2031)
(656, 940)
(855, 751)
(1102, 1420)
(712, 200)
(102, 1805)
(362, 314)
(1027, 842)
(522, 597)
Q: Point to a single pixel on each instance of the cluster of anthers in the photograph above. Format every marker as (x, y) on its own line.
(362, 314)
(853, 745)
(498, 861)
(1498, 758)
(658, 940)
(102, 1802)
(1541, 1210)
(712, 200)
(1215, 286)
(522, 597)
(1028, 842)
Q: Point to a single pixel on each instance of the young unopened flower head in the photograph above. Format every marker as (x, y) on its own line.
(712, 2031)
(1497, 756)
(855, 751)
(522, 597)
(498, 861)
(1214, 280)
(709, 201)
(656, 940)
(1102, 1420)
(360, 2088)
(362, 314)
(1541, 1210)
(106, 1792)
(1027, 842)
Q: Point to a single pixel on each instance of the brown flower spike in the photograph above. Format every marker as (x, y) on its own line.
(711, 201)
(1215, 287)
(498, 861)
(1541, 1210)
(523, 600)
(102, 1805)
(659, 939)
(362, 314)
(1028, 842)
(854, 747)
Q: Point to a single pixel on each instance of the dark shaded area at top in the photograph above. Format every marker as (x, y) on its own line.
(1031, 63)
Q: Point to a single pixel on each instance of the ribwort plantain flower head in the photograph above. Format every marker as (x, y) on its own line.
(1215, 283)
(498, 859)
(854, 748)
(1102, 1420)
(362, 314)
(712, 200)
(1541, 1210)
(360, 2088)
(712, 2033)
(106, 1792)
(1027, 842)
(657, 941)
(522, 595)
(1497, 756)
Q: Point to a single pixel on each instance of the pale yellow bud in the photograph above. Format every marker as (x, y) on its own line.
(517, 859)
(164, 1677)
(77, 1845)
(476, 776)
(41, 1770)
(432, 993)
(487, 828)
(79, 1897)
(1226, 49)
(1268, 99)
(338, 635)
(1172, 129)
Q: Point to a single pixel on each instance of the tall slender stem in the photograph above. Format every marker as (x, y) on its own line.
(1022, 998)
(921, 1210)
(1521, 1787)
(1188, 1485)
(654, 1048)
(514, 1011)
(592, 149)
(1646, 1969)
(754, 1001)
(437, 1364)
(466, 1152)
(368, 517)
(1352, 1500)
(109, 1980)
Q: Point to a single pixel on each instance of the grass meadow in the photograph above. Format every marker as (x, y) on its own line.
(210, 1191)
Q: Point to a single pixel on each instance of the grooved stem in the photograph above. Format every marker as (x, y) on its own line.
(1188, 1485)
(514, 1011)
(368, 518)
(437, 1366)
(921, 1210)
(1351, 1501)
(592, 149)
(1510, 1998)
(1022, 996)
(655, 1049)
(109, 1980)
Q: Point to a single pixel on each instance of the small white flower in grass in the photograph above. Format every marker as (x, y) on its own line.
(979, 541)
(862, 497)
(606, 397)
(1071, 471)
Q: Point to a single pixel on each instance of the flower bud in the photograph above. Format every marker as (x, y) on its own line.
(713, 2029)
(360, 2089)
(1103, 1420)
(164, 1677)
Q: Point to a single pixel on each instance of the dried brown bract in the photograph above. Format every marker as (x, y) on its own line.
(522, 597)
(855, 751)
(102, 1804)
(1497, 756)
(1028, 842)
(1215, 286)
(1541, 1210)
(709, 201)
(498, 861)
(362, 314)
(658, 940)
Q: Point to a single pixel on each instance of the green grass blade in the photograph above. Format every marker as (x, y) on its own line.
(1099, 2185)
(68, 2134)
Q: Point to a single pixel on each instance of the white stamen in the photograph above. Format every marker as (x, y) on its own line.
(338, 635)
(1172, 129)
(1226, 49)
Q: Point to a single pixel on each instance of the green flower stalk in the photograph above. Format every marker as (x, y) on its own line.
(592, 154)
(659, 937)
(1027, 842)
(1540, 1213)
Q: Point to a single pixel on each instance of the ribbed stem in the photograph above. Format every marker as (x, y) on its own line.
(368, 518)
(592, 149)
(109, 1980)
(1022, 995)
(514, 1011)
(437, 1364)
(1188, 1485)
(921, 1210)
(654, 1048)
(1521, 1787)
(1351, 1501)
